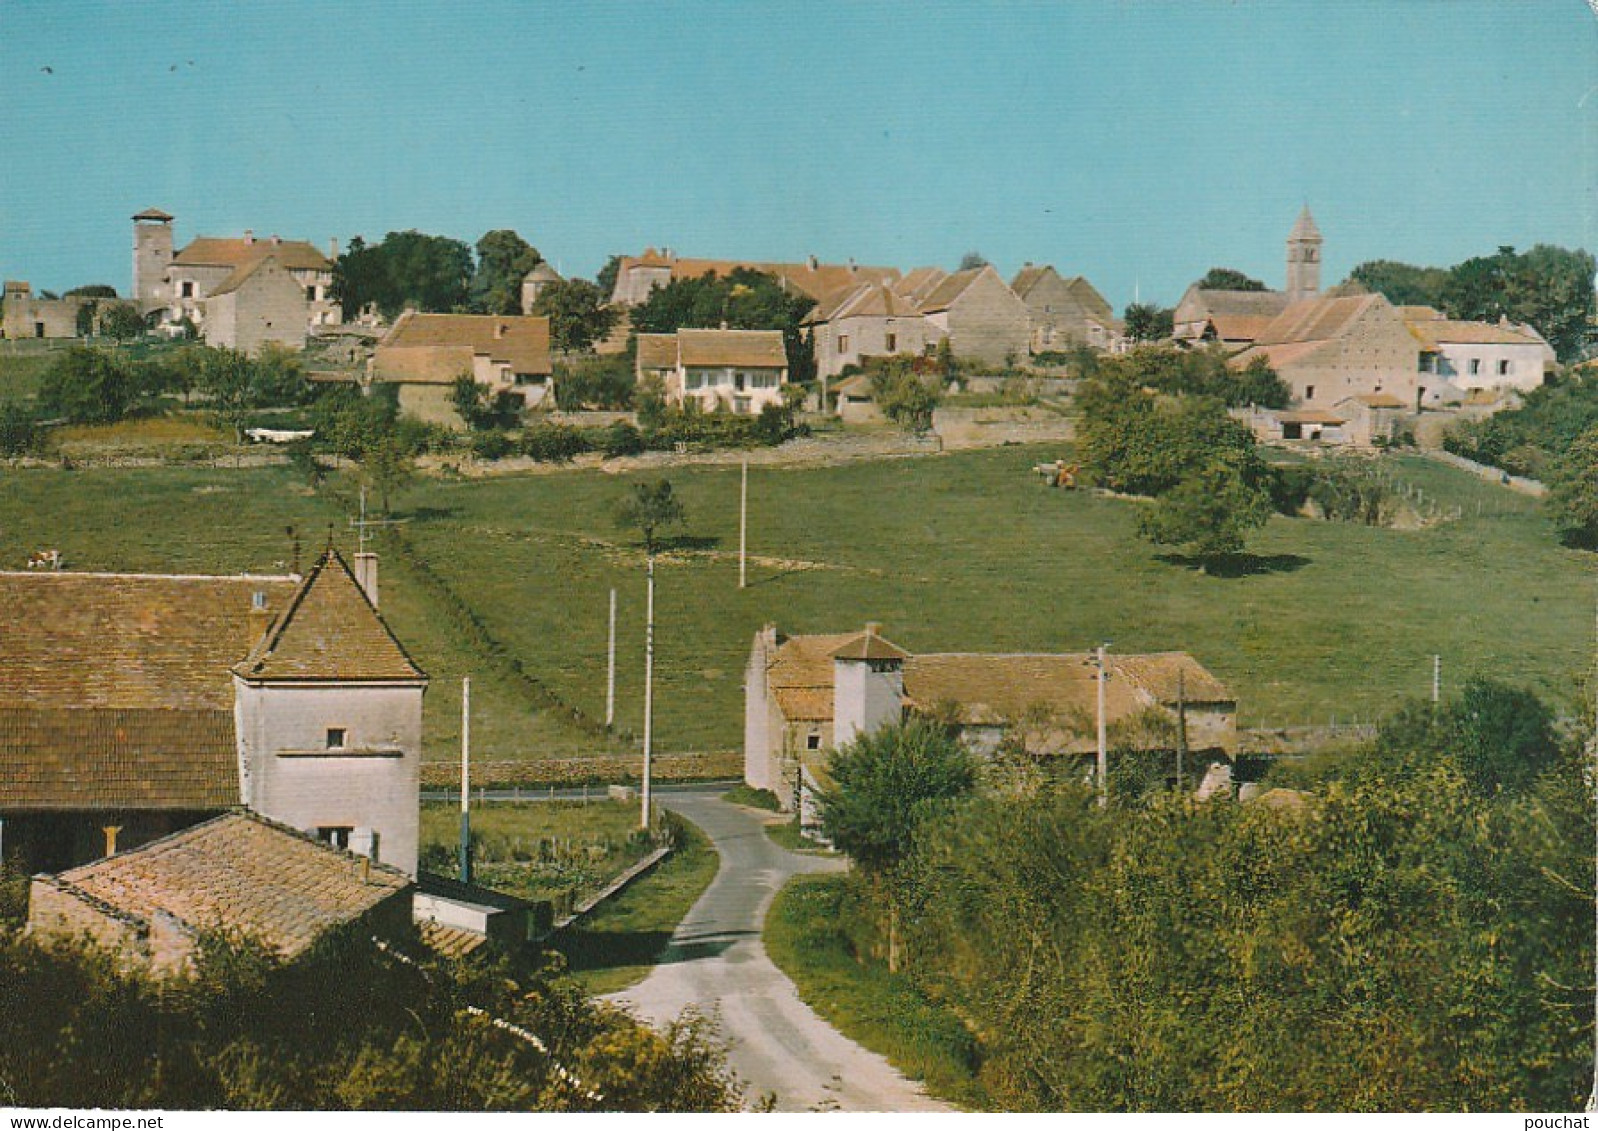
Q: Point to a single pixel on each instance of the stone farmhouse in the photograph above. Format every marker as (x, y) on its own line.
(1062, 312)
(134, 705)
(1329, 349)
(254, 306)
(975, 311)
(236, 873)
(806, 695)
(24, 315)
(1475, 356)
(740, 371)
(636, 276)
(425, 354)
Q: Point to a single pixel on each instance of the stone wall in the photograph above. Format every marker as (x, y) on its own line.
(598, 769)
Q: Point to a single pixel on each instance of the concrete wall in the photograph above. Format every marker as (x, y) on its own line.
(719, 388)
(290, 775)
(1525, 364)
(758, 769)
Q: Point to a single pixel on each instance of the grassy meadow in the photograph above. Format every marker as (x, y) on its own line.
(965, 551)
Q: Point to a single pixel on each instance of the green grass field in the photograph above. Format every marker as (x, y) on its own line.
(970, 552)
(618, 944)
(20, 372)
(960, 552)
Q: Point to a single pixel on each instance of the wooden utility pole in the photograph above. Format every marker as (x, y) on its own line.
(610, 668)
(649, 688)
(1592, 1097)
(466, 780)
(743, 528)
(1181, 724)
(1437, 679)
(1104, 749)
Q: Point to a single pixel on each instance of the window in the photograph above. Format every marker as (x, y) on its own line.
(843, 343)
(1475, 366)
(1503, 368)
(813, 741)
(336, 835)
(892, 343)
(693, 380)
(1309, 392)
(188, 289)
(310, 294)
(336, 737)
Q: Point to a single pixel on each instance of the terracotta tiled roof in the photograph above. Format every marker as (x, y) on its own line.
(1312, 416)
(1434, 332)
(128, 641)
(241, 872)
(211, 251)
(657, 351)
(948, 290)
(761, 349)
(805, 704)
(1246, 304)
(1240, 327)
(1376, 400)
(57, 759)
(874, 300)
(997, 689)
(1278, 356)
(330, 632)
(814, 281)
(1317, 319)
(241, 274)
(152, 214)
(869, 646)
(1162, 675)
(438, 348)
(543, 273)
(1029, 277)
(920, 282)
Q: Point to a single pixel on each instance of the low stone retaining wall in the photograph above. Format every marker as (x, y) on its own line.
(601, 769)
(1497, 475)
(612, 889)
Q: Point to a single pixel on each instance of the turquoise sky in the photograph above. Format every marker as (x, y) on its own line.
(1136, 142)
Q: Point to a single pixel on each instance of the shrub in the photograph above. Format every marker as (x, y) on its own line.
(492, 445)
(553, 443)
(621, 439)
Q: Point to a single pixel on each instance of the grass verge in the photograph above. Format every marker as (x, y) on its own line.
(752, 798)
(788, 836)
(881, 1011)
(619, 943)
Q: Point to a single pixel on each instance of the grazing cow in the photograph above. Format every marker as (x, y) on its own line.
(44, 559)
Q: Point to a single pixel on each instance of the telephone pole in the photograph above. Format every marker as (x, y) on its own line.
(649, 688)
(1437, 679)
(1104, 748)
(1181, 724)
(610, 668)
(466, 780)
(743, 527)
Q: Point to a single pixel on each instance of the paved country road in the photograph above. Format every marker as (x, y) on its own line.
(716, 963)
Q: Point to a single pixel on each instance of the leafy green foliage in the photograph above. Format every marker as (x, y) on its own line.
(246, 1032)
(88, 386)
(595, 383)
(1149, 322)
(1211, 509)
(19, 429)
(1413, 935)
(1345, 490)
(886, 783)
(1227, 279)
(647, 508)
(579, 314)
(554, 443)
(92, 290)
(503, 260)
(406, 269)
(903, 394)
(483, 409)
(1531, 439)
(743, 299)
(121, 320)
(1402, 284)
(1573, 495)
(239, 385)
(1548, 286)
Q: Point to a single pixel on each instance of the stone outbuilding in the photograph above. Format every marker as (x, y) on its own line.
(806, 695)
(238, 876)
(1062, 313)
(425, 354)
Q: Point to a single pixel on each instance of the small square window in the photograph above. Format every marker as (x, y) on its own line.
(1503, 367)
(1309, 392)
(813, 741)
(336, 835)
(336, 737)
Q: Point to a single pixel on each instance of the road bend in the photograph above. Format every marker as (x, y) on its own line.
(716, 963)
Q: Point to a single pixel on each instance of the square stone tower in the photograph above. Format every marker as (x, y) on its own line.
(152, 253)
(1303, 259)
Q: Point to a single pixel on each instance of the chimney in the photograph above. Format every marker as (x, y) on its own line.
(813, 262)
(499, 330)
(249, 236)
(111, 838)
(873, 628)
(366, 575)
(276, 239)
